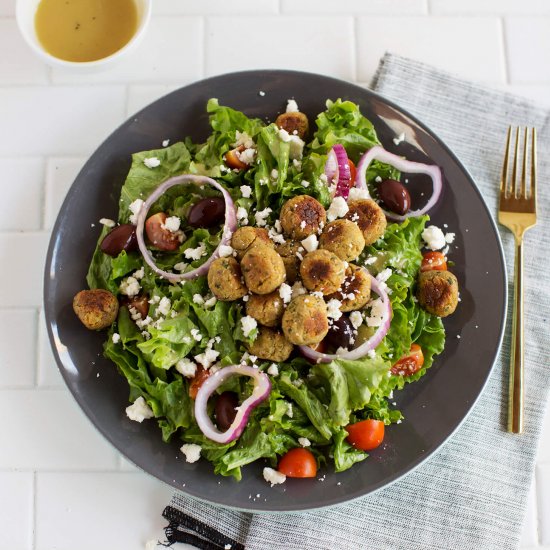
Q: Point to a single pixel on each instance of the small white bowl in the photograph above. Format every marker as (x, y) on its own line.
(25, 14)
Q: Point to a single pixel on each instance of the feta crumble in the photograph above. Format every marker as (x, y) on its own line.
(310, 243)
(248, 324)
(207, 358)
(304, 441)
(292, 106)
(400, 138)
(186, 367)
(261, 216)
(246, 191)
(116, 338)
(285, 292)
(198, 299)
(357, 194)
(333, 309)
(151, 162)
(273, 476)
(196, 334)
(225, 250)
(191, 451)
(434, 238)
(180, 266)
(172, 224)
(107, 222)
(337, 209)
(211, 302)
(356, 319)
(164, 306)
(139, 273)
(246, 156)
(130, 287)
(273, 369)
(139, 410)
(166, 142)
(242, 215)
(376, 313)
(242, 138)
(449, 238)
(195, 253)
(135, 207)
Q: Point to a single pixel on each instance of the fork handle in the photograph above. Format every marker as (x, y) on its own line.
(515, 403)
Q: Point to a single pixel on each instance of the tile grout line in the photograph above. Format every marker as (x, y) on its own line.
(502, 37)
(36, 347)
(428, 6)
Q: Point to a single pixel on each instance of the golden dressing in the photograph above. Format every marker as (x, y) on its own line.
(85, 30)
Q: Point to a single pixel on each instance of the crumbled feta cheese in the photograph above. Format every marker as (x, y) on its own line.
(356, 319)
(261, 216)
(116, 337)
(246, 191)
(333, 309)
(273, 476)
(433, 237)
(196, 334)
(139, 273)
(305, 183)
(298, 289)
(273, 369)
(242, 215)
(195, 253)
(399, 138)
(449, 238)
(304, 441)
(337, 209)
(289, 410)
(357, 194)
(246, 156)
(248, 324)
(210, 302)
(225, 251)
(384, 275)
(164, 306)
(297, 164)
(135, 207)
(275, 235)
(172, 224)
(198, 299)
(166, 142)
(310, 243)
(243, 139)
(191, 451)
(292, 106)
(130, 287)
(151, 162)
(186, 367)
(261, 93)
(139, 410)
(107, 222)
(180, 266)
(372, 354)
(274, 174)
(285, 292)
(376, 314)
(207, 358)
(371, 260)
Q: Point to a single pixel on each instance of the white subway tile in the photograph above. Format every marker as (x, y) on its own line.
(18, 63)
(299, 43)
(50, 432)
(529, 535)
(48, 373)
(543, 502)
(171, 51)
(22, 188)
(192, 7)
(7, 7)
(468, 46)
(371, 7)
(58, 120)
(25, 253)
(489, 7)
(126, 506)
(528, 46)
(140, 96)
(60, 174)
(16, 510)
(18, 338)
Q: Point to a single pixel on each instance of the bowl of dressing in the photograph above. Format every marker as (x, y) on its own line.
(85, 34)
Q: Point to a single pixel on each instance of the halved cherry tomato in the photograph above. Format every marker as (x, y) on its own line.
(298, 462)
(366, 434)
(353, 172)
(233, 161)
(160, 237)
(433, 260)
(410, 363)
(140, 303)
(198, 380)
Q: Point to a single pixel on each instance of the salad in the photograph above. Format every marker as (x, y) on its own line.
(265, 292)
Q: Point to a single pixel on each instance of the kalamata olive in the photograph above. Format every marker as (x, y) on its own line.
(395, 196)
(340, 334)
(122, 237)
(207, 212)
(225, 409)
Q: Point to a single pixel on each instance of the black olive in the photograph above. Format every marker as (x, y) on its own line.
(207, 212)
(225, 409)
(395, 196)
(340, 334)
(118, 239)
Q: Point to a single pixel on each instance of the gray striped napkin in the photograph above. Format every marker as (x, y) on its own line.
(472, 493)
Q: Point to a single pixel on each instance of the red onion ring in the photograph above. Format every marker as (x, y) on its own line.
(337, 168)
(403, 165)
(262, 387)
(229, 227)
(365, 347)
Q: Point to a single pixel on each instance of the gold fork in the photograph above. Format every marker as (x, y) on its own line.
(518, 212)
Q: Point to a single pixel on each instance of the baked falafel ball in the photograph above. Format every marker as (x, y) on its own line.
(305, 320)
(322, 271)
(355, 290)
(97, 308)
(271, 345)
(437, 292)
(263, 269)
(295, 123)
(369, 217)
(288, 251)
(225, 279)
(301, 216)
(267, 309)
(246, 237)
(344, 238)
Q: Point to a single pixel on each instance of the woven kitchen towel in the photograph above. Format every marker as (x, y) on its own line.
(472, 493)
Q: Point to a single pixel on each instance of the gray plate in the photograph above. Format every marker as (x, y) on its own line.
(433, 407)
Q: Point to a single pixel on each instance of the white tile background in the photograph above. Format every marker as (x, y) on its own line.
(76, 492)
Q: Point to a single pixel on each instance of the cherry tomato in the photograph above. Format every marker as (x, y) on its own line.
(160, 237)
(353, 172)
(140, 303)
(298, 462)
(433, 260)
(233, 161)
(410, 363)
(198, 380)
(366, 435)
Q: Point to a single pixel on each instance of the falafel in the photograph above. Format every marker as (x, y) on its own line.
(246, 237)
(271, 345)
(437, 292)
(344, 238)
(369, 217)
(263, 269)
(305, 321)
(295, 123)
(288, 252)
(301, 216)
(321, 270)
(356, 289)
(225, 279)
(267, 309)
(97, 308)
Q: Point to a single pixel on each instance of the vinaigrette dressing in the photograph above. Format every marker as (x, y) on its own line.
(85, 30)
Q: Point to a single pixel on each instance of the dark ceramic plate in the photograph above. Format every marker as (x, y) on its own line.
(433, 407)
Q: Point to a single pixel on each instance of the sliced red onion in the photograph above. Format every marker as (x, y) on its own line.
(337, 170)
(403, 165)
(365, 347)
(230, 225)
(262, 387)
